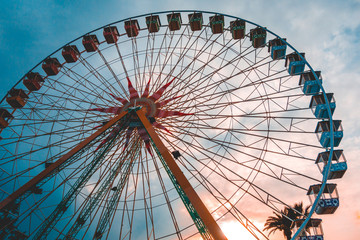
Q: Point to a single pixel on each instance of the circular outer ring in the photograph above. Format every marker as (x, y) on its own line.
(326, 171)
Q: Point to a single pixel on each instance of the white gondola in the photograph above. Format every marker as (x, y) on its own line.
(329, 200)
(312, 231)
(338, 163)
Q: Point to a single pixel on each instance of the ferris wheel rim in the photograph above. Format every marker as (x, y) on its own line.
(326, 173)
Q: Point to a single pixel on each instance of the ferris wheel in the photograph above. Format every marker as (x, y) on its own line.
(170, 125)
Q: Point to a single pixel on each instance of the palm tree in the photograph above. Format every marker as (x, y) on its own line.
(283, 221)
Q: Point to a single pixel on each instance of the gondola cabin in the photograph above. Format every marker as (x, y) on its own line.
(237, 29)
(111, 34)
(329, 200)
(132, 28)
(51, 66)
(217, 24)
(153, 23)
(338, 163)
(318, 105)
(312, 231)
(196, 21)
(90, 43)
(277, 47)
(174, 20)
(70, 53)
(5, 117)
(323, 132)
(309, 84)
(33, 81)
(295, 63)
(258, 37)
(17, 98)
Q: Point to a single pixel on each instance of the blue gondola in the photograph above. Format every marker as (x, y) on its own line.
(323, 132)
(295, 63)
(277, 48)
(312, 231)
(338, 163)
(308, 82)
(318, 105)
(329, 200)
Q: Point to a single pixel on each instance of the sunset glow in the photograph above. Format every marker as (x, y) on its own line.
(235, 231)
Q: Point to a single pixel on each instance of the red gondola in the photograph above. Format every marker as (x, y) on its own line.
(5, 116)
(51, 66)
(33, 81)
(90, 43)
(132, 28)
(70, 53)
(111, 34)
(17, 98)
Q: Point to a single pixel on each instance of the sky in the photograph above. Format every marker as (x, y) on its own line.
(328, 31)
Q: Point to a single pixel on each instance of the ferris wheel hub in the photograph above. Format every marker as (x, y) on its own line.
(148, 104)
